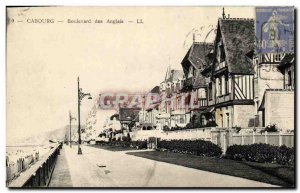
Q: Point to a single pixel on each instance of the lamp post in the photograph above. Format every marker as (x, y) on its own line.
(71, 118)
(81, 95)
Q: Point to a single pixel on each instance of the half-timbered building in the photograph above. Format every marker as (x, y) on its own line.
(232, 80)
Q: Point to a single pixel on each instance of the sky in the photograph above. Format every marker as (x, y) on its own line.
(45, 59)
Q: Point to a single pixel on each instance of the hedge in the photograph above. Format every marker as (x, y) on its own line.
(262, 153)
(132, 144)
(196, 147)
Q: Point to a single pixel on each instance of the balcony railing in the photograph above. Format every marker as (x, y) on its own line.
(224, 98)
(202, 102)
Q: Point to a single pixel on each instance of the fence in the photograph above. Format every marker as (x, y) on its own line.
(220, 136)
(38, 174)
(227, 138)
(13, 169)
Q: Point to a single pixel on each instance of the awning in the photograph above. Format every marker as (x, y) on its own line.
(208, 110)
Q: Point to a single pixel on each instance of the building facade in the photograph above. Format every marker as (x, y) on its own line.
(195, 86)
(171, 112)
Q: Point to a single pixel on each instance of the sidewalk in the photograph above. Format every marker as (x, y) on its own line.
(101, 168)
(61, 175)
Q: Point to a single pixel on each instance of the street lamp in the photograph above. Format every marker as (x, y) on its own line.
(71, 118)
(81, 95)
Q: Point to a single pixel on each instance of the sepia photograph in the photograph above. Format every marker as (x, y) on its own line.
(150, 97)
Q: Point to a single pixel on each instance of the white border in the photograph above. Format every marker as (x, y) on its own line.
(4, 3)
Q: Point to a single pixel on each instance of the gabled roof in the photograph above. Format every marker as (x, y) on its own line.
(129, 114)
(197, 55)
(155, 89)
(238, 35)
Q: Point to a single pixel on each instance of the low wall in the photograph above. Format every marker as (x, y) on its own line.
(219, 136)
(188, 134)
(38, 174)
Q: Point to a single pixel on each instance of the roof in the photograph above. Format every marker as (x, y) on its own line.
(200, 80)
(207, 70)
(208, 110)
(289, 58)
(129, 114)
(197, 55)
(238, 35)
(155, 89)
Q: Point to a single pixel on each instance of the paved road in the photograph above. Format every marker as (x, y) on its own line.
(102, 168)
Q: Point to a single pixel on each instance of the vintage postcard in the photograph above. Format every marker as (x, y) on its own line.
(150, 97)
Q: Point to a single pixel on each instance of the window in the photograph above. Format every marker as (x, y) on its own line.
(221, 53)
(191, 72)
(226, 85)
(227, 116)
(210, 91)
(221, 120)
(181, 119)
(220, 87)
(289, 78)
(277, 57)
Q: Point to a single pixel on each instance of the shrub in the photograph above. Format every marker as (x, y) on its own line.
(271, 128)
(126, 144)
(139, 144)
(126, 138)
(262, 153)
(166, 128)
(196, 147)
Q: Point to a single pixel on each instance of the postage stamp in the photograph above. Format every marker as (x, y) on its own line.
(275, 29)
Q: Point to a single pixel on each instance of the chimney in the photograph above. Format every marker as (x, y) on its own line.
(223, 14)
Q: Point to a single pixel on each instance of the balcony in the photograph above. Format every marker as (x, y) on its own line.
(224, 98)
(211, 102)
(202, 102)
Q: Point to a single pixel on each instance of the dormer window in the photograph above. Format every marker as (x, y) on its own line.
(191, 72)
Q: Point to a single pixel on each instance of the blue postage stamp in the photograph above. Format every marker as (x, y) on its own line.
(275, 29)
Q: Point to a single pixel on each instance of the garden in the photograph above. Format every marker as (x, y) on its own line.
(195, 147)
(126, 144)
(262, 153)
